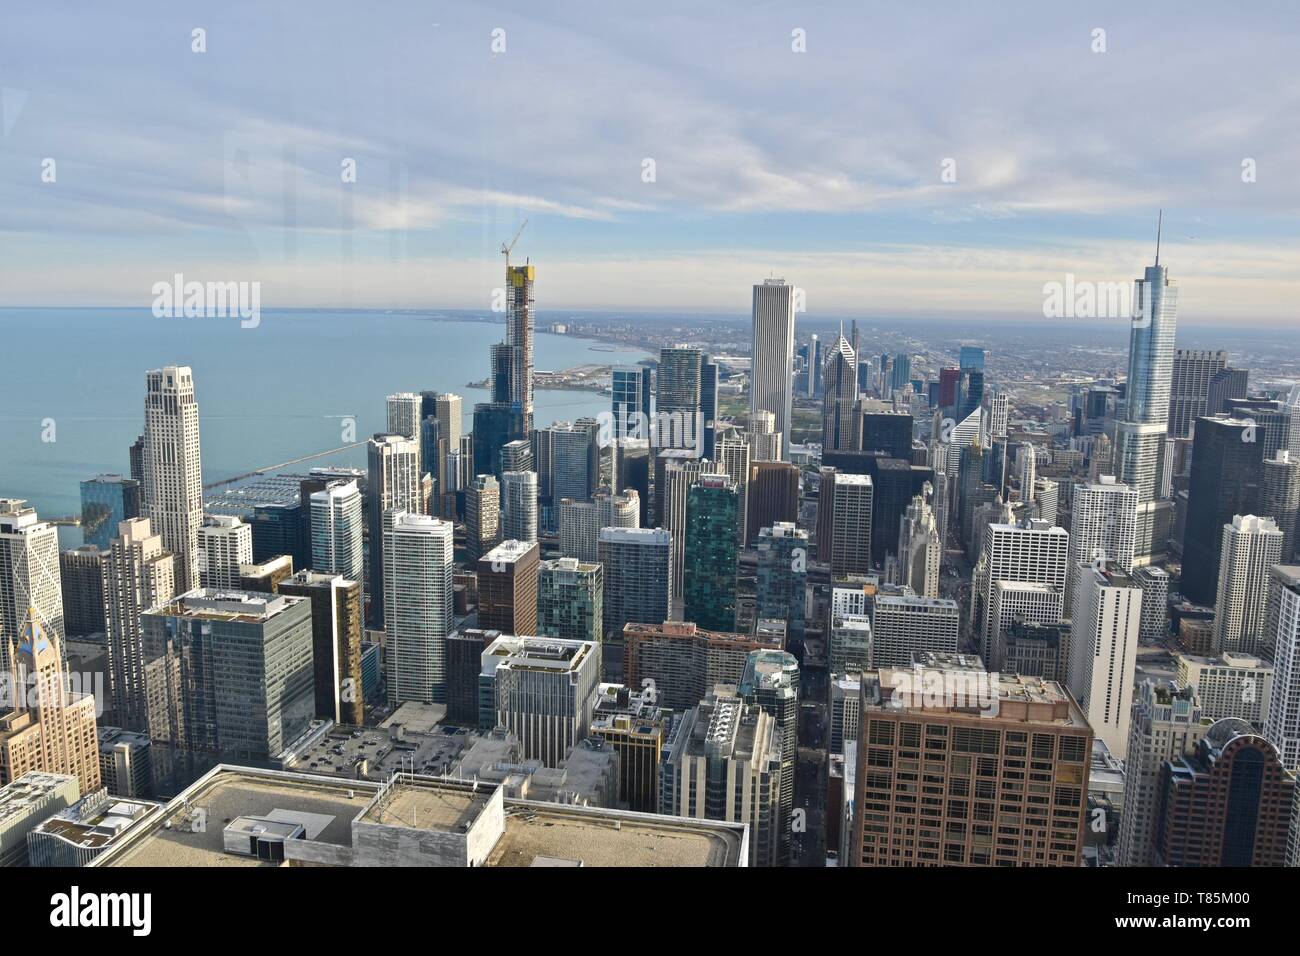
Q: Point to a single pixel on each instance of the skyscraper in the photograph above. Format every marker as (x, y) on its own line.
(1279, 497)
(29, 574)
(710, 554)
(1141, 434)
(51, 728)
(1032, 552)
(1166, 723)
(849, 549)
(337, 516)
(920, 548)
(225, 542)
(81, 579)
(771, 386)
(404, 414)
(976, 730)
(1226, 464)
(336, 643)
(1229, 803)
(678, 476)
(519, 337)
(450, 412)
(771, 680)
(519, 505)
(418, 562)
(107, 501)
(839, 398)
(630, 403)
(1193, 370)
(772, 496)
(173, 473)
(1283, 632)
(138, 575)
(544, 690)
(570, 600)
(1107, 621)
(723, 762)
(782, 577)
(581, 521)
(507, 588)
(482, 516)
(678, 399)
(1249, 549)
(638, 585)
(1103, 527)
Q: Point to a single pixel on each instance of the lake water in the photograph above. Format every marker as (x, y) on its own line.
(266, 395)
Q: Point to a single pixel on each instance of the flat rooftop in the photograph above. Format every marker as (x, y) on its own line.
(176, 839)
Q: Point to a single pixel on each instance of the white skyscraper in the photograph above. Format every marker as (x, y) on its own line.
(1283, 727)
(1103, 653)
(225, 542)
(920, 548)
(418, 564)
(29, 574)
(139, 574)
(581, 521)
(392, 484)
(337, 516)
(1251, 546)
(1032, 552)
(771, 386)
(519, 505)
(1103, 528)
(173, 475)
(450, 411)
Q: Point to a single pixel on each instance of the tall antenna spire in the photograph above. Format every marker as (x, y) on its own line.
(1160, 218)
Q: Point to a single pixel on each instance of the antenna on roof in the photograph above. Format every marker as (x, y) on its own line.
(1160, 217)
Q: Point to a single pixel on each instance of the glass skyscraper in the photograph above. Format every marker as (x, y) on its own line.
(107, 501)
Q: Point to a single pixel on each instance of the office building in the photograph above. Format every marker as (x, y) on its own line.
(228, 676)
(771, 385)
(519, 505)
(51, 726)
(849, 647)
(24, 803)
(636, 729)
(1107, 620)
(581, 521)
(977, 733)
(570, 600)
(1103, 526)
(507, 588)
(1283, 630)
(172, 492)
(125, 767)
(772, 496)
(712, 531)
(138, 575)
(630, 402)
(679, 661)
(482, 516)
(1229, 685)
(1224, 482)
(29, 574)
(782, 577)
(1189, 391)
(723, 762)
(81, 580)
(849, 507)
(1032, 552)
(1279, 497)
(839, 397)
(903, 625)
(771, 681)
(1167, 722)
(418, 563)
(1154, 583)
(1250, 547)
(545, 692)
(679, 396)
(638, 565)
(336, 643)
(1229, 803)
(920, 547)
(265, 576)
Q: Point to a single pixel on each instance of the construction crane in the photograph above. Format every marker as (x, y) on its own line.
(506, 250)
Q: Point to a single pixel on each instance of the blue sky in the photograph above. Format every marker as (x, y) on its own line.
(823, 166)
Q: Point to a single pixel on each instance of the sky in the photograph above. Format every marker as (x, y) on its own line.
(797, 140)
